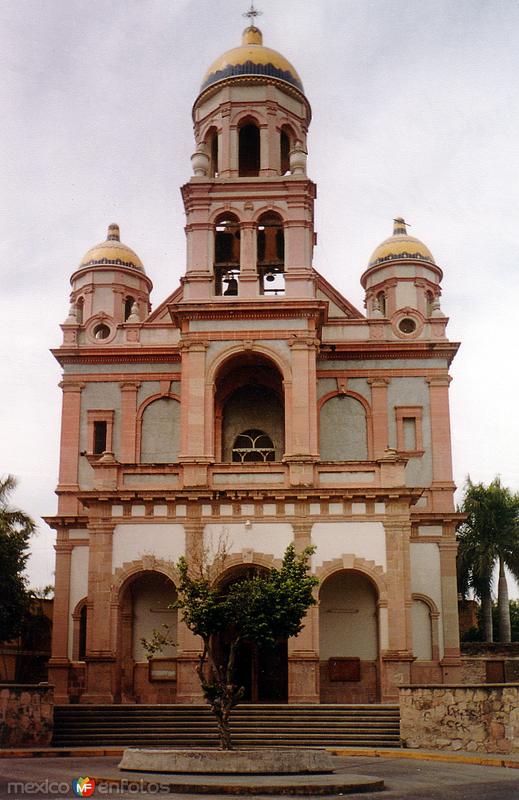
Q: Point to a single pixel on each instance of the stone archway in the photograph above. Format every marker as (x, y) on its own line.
(262, 671)
(348, 638)
(144, 601)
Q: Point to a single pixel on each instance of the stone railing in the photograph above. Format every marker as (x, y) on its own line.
(26, 714)
(482, 718)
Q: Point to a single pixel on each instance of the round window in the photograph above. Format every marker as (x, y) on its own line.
(407, 325)
(101, 332)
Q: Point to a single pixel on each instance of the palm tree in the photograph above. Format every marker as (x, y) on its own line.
(489, 537)
(15, 531)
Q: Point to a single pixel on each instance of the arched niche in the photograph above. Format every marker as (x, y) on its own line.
(249, 397)
(424, 618)
(160, 431)
(226, 254)
(343, 429)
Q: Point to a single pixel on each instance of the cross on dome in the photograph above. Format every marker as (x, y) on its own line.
(252, 13)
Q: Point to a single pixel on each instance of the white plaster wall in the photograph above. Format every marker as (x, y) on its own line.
(347, 617)
(363, 539)
(78, 586)
(151, 596)
(271, 539)
(131, 542)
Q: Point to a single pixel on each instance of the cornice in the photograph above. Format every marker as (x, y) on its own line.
(115, 355)
(355, 351)
(266, 309)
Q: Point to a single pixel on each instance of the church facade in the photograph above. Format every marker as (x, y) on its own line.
(255, 406)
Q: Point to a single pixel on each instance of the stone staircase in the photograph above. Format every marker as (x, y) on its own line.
(251, 725)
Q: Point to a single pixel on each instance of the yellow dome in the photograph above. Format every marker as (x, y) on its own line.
(111, 252)
(252, 58)
(400, 246)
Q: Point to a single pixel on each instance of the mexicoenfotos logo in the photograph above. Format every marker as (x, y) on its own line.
(83, 787)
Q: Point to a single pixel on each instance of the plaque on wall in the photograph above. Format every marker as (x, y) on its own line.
(495, 671)
(344, 669)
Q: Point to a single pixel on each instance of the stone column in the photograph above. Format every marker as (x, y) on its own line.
(397, 659)
(189, 645)
(303, 658)
(128, 453)
(100, 656)
(442, 484)
(249, 280)
(379, 412)
(69, 448)
(450, 663)
(59, 663)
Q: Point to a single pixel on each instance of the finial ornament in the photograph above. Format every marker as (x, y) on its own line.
(399, 226)
(252, 13)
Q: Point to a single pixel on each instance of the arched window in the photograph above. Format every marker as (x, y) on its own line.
(253, 445)
(227, 255)
(285, 153)
(128, 303)
(80, 306)
(249, 150)
(271, 254)
(82, 632)
(212, 151)
(381, 300)
(429, 300)
(286, 140)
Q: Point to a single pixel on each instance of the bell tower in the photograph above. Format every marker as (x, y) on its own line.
(249, 204)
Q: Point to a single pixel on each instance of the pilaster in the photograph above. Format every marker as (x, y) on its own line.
(379, 388)
(303, 649)
(442, 483)
(69, 447)
(129, 391)
(450, 663)
(59, 663)
(100, 656)
(396, 660)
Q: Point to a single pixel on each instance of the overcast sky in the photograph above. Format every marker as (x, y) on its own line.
(415, 113)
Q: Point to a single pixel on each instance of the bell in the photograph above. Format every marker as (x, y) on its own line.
(270, 277)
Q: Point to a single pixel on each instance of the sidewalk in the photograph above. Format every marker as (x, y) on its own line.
(449, 756)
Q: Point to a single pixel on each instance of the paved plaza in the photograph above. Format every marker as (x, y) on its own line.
(46, 778)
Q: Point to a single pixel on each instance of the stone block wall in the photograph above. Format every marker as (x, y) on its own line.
(26, 714)
(482, 718)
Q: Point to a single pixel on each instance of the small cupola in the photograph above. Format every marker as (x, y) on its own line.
(402, 276)
(109, 285)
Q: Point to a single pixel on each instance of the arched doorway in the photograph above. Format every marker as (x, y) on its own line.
(261, 670)
(145, 606)
(348, 638)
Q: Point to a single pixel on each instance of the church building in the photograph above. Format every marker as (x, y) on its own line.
(257, 406)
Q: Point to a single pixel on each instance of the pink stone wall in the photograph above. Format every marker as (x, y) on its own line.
(26, 714)
(482, 718)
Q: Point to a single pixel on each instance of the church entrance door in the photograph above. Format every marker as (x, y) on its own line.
(263, 672)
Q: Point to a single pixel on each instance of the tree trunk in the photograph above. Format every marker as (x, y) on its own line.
(503, 605)
(486, 610)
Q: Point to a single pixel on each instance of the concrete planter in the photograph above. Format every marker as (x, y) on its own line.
(258, 761)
